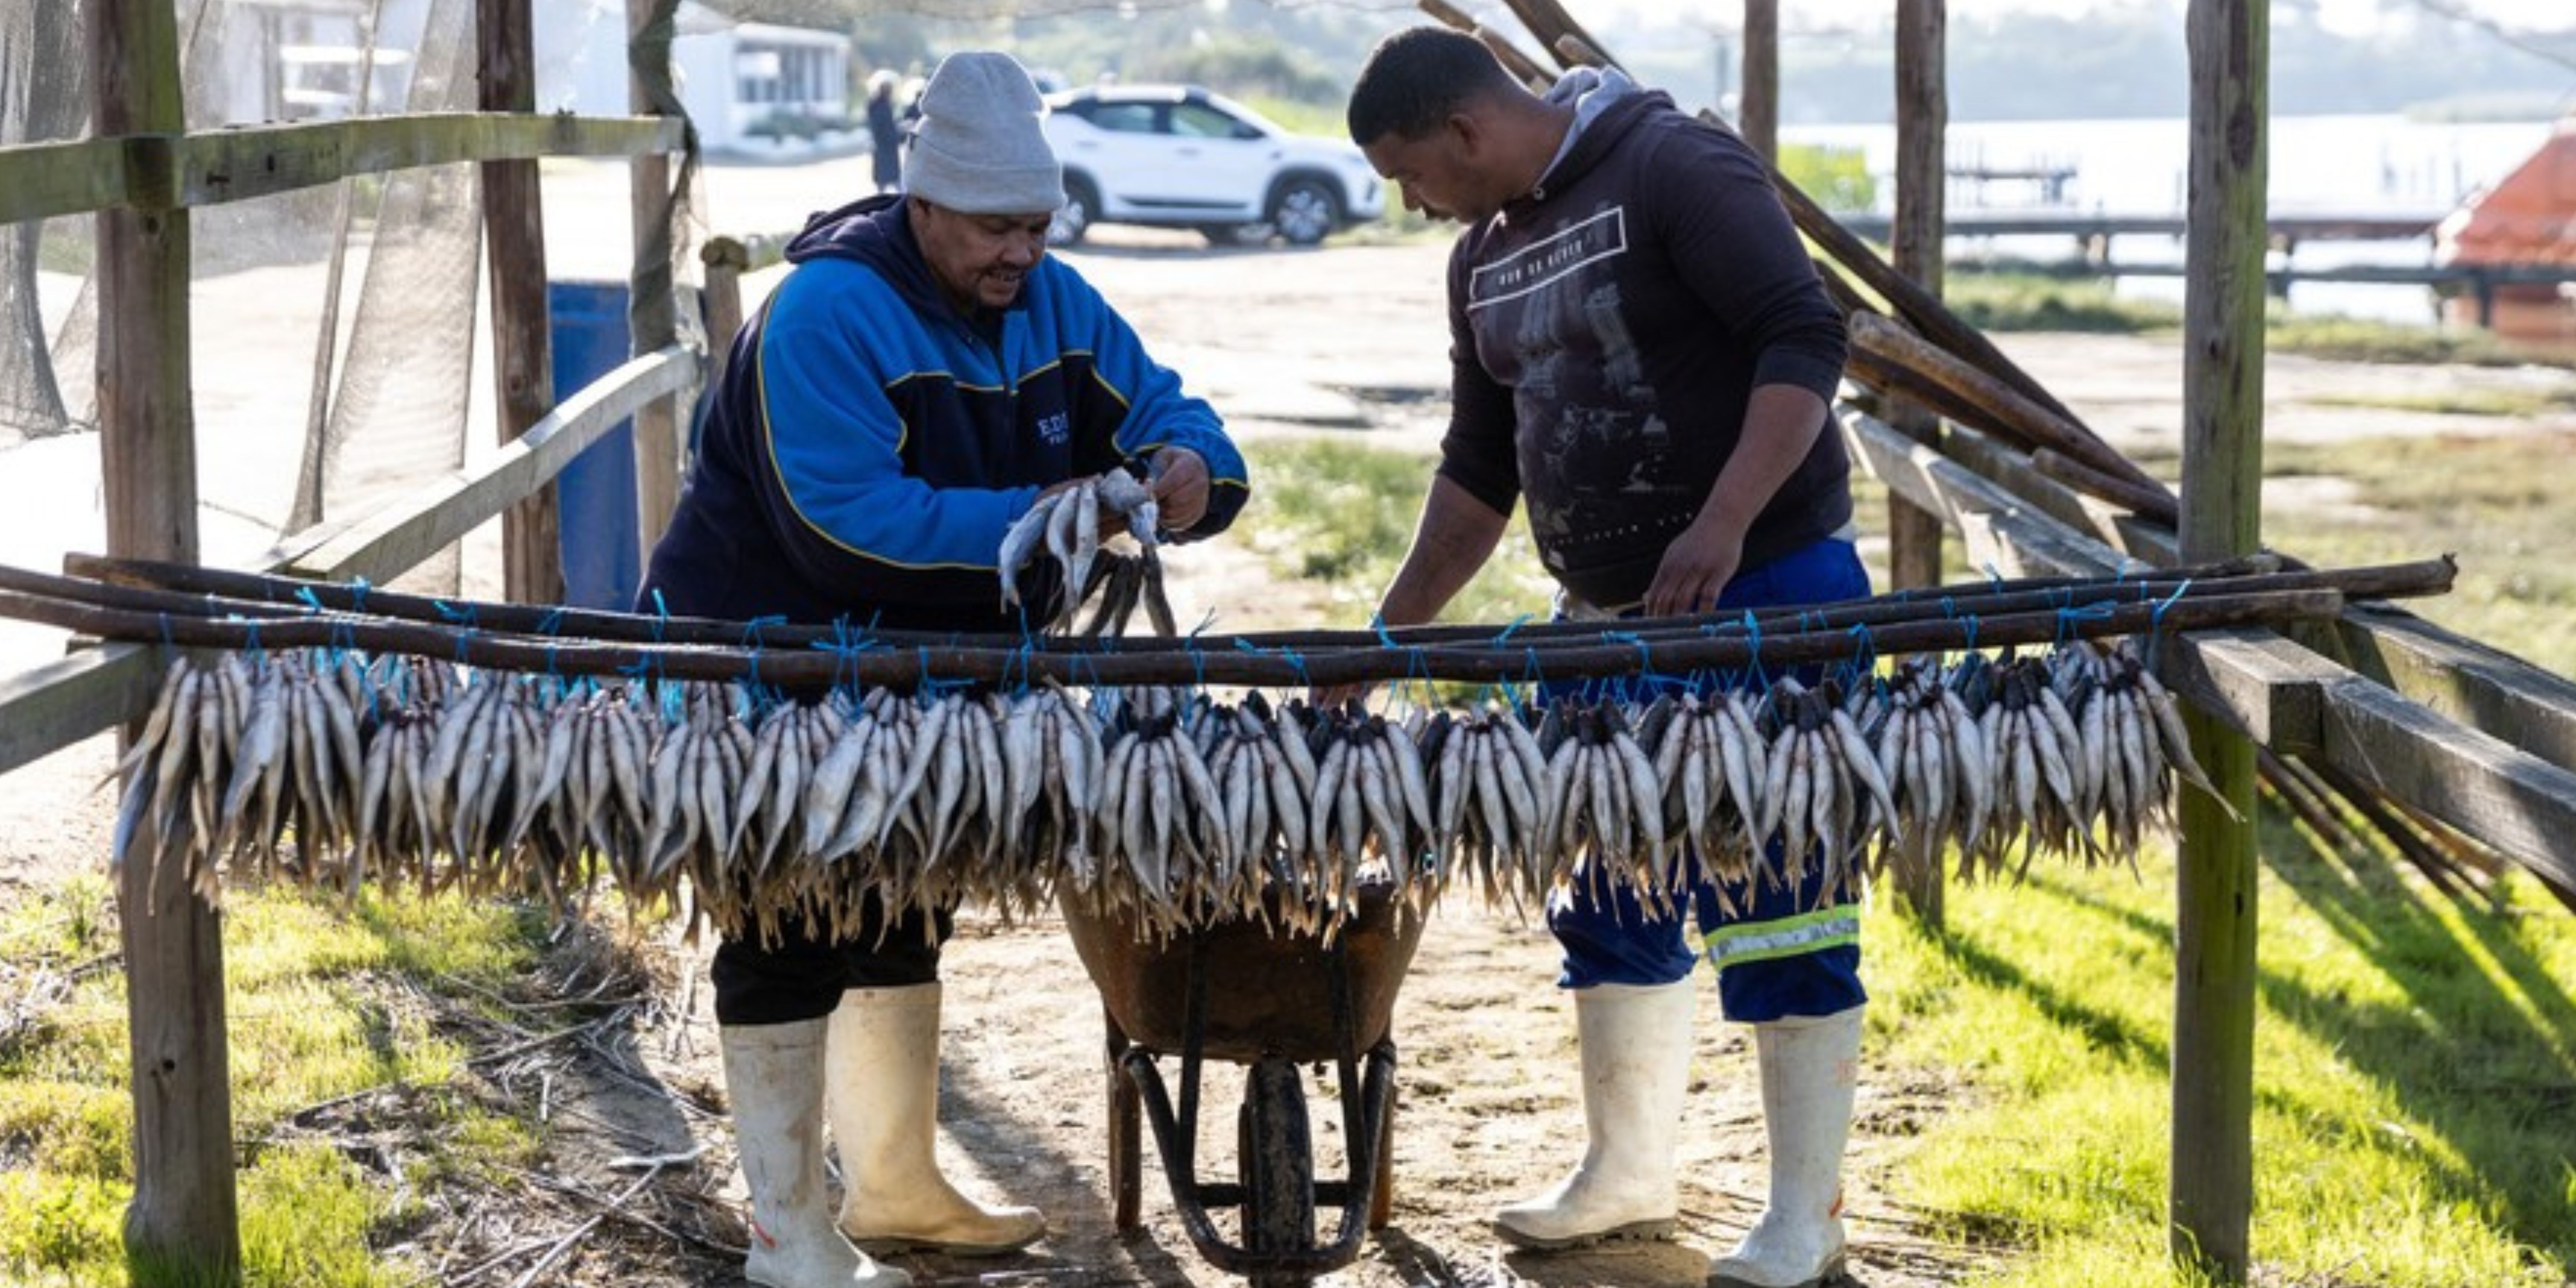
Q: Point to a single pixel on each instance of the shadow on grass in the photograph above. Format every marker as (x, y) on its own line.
(2483, 1057)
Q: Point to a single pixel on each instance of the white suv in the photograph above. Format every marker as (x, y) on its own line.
(1178, 156)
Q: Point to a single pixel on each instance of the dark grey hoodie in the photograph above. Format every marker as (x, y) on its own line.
(1607, 329)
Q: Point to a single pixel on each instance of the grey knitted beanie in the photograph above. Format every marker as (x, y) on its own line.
(978, 146)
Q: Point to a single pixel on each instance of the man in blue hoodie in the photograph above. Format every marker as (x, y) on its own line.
(1641, 351)
(919, 379)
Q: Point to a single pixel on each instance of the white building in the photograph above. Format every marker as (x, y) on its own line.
(743, 83)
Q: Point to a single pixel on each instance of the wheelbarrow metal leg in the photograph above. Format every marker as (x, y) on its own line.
(1126, 1144)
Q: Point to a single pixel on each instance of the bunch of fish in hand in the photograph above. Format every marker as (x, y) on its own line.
(1067, 525)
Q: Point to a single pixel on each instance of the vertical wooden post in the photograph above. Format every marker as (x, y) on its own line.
(1757, 112)
(514, 250)
(1922, 182)
(725, 260)
(182, 1225)
(2211, 1204)
(651, 318)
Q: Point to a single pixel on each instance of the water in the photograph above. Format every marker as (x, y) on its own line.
(2343, 165)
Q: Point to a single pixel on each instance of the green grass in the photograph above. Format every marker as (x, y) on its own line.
(2040, 302)
(2410, 1054)
(2514, 404)
(1342, 514)
(2485, 497)
(323, 1000)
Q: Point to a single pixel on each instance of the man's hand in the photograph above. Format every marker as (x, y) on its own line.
(1696, 568)
(1180, 482)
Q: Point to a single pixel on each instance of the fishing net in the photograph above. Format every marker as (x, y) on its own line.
(334, 328)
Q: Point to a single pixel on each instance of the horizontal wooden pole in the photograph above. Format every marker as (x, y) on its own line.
(434, 517)
(234, 165)
(210, 167)
(809, 668)
(146, 586)
(47, 180)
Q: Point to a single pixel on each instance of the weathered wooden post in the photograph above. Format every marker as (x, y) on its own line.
(651, 318)
(514, 249)
(1757, 112)
(2211, 1202)
(1922, 181)
(182, 1225)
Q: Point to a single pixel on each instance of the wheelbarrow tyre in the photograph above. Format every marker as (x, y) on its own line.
(1276, 1162)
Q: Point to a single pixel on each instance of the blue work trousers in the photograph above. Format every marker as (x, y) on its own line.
(1778, 951)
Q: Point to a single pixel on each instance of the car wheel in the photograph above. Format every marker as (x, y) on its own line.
(1304, 210)
(1073, 219)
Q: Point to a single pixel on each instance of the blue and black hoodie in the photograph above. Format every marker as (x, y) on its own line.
(869, 444)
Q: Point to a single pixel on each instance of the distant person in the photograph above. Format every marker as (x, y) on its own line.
(885, 136)
(1641, 350)
(921, 377)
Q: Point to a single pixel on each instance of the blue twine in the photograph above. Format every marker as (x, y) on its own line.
(1508, 628)
(2156, 620)
(311, 601)
(2068, 617)
(358, 589)
(552, 621)
(1865, 655)
(661, 614)
(1753, 639)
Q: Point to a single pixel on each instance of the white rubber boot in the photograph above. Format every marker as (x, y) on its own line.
(1636, 1049)
(774, 1079)
(1808, 1067)
(885, 1117)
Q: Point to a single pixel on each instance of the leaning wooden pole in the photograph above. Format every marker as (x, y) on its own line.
(2211, 1201)
(514, 242)
(182, 1225)
(1757, 111)
(1914, 534)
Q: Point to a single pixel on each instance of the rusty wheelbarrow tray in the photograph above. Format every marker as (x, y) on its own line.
(1243, 993)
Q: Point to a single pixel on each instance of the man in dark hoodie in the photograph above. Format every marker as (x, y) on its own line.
(919, 379)
(1641, 349)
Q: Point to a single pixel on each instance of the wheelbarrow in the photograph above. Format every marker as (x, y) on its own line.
(1273, 1000)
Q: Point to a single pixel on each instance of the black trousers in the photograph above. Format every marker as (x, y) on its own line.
(801, 974)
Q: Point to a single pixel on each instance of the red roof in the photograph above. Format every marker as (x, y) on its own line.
(2528, 218)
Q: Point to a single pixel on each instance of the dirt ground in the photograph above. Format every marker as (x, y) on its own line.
(1347, 340)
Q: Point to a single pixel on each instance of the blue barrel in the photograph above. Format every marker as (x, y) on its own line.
(602, 564)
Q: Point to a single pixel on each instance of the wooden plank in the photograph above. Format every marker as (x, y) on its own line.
(2003, 532)
(2488, 689)
(2211, 1187)
(434, 517)
(235, 165)
(54, 706)
(514, 253)
(2016, 472)
(182, 1224)
(2260, 684)
(45, 180)
(2516, 802)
